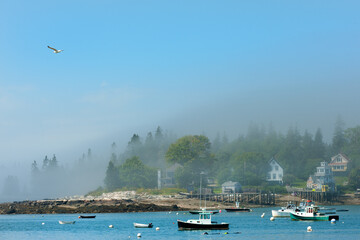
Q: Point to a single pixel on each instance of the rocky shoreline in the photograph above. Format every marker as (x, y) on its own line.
(81, 206)
(129, 201)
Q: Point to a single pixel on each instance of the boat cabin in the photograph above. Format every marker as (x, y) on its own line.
(204, 218)
(312, 209)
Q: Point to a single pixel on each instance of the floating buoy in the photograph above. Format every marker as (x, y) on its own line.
(177, 213)
(219, 211)
(262, 215)
(157, 228)
(309, 229)
(42, 223)
(111, 226)
(272, 219)
(333, 220)
(139, 235)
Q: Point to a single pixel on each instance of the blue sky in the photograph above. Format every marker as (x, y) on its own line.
(189, 66)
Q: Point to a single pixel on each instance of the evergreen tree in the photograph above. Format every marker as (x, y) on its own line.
(53, 163)
(112, 179)
(34, 168)
(159, 134)
(45, 163)
(338, 140)
(319, 146)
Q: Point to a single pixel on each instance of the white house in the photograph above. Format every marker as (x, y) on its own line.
(276, 172)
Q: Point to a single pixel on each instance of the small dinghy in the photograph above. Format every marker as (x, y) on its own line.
(67, 222)
(142, 225)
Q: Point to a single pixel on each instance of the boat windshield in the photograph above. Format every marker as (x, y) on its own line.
(204, 216)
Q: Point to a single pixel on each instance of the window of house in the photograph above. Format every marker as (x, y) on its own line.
(276, 168)
(338, 159)
(274, 176)
(341, 167)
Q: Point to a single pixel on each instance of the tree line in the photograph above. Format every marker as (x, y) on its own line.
(244, 159)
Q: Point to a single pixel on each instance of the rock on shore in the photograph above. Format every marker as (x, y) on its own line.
(80, 206)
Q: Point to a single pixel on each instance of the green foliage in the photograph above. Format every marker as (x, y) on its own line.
(354, 179)
(194, 156)
(112, 179)
(341, 180)
(188, 149)
(134, 174)
(248, 168)
(274, 189)
(151, 151)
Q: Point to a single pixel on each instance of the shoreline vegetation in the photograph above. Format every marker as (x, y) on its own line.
(130, 201)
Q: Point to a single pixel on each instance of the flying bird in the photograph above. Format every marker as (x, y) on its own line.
(55, 50)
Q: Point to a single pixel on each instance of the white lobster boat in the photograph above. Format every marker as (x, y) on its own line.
(284, 211)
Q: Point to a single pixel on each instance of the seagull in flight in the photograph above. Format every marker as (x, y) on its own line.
(55, 50)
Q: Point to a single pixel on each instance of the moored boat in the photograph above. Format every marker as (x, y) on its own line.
(284, 211)
(87, 216)
(204, 222)
(311, 213)
(66, 222)
(199, 211)
(237, 208)
(142, 225)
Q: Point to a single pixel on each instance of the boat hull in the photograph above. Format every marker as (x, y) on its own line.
(141, 225)
(82, 216)
(297, 217)
(200, 226)
(199, 211)
(66, 222)
(238, 209)
(280, 213)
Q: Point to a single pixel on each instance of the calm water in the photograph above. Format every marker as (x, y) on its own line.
(251, 226)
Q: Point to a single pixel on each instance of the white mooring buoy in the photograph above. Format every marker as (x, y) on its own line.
(262, 215)
(157, 228)
(139, 235)
(309, 229)
(272, 219)
(111, 226)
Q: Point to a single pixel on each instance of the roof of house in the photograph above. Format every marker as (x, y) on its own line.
(230, 184)
(273, 159)
(343, 156)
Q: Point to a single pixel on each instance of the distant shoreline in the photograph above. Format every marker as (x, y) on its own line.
(128, 201)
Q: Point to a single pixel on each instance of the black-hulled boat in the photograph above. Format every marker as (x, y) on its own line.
(87, 216)
(238, 209)
(204, 222)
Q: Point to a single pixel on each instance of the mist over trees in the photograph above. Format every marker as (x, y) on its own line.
(137, 166)
(244, 159)
(50, 179)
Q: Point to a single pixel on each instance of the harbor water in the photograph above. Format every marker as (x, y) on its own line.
(243, 225)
